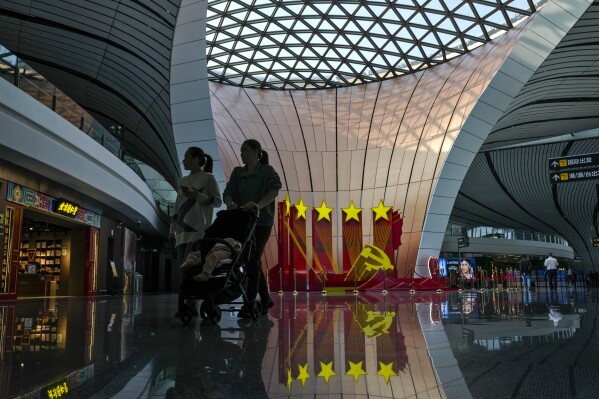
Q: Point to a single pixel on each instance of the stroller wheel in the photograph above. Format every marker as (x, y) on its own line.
(186, 314)
(203, 310)
(256, 310)
(215, 315)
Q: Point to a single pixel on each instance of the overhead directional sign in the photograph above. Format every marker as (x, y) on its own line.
(573, 162)
(574, 175)
(596, 242)
(463, 242)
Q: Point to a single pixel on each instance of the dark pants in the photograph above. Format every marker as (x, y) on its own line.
(552, 276)
(182, 251)
(256, 279)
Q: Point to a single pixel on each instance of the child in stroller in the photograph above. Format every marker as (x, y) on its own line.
(218, 254)
(228, 280)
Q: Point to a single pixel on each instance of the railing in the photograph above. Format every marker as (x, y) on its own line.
(19, 74)
(503, 234)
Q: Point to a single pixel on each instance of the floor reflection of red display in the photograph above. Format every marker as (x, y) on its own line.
(334, 336)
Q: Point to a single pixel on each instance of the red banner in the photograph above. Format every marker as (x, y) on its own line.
(280, 277)
(297, 231)
(383, 238)
(322, 250)
(352, 238)
(397, 229)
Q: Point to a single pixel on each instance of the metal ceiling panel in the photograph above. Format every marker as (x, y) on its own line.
(119, 53)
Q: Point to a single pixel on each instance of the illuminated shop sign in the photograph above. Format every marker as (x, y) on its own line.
(28, 197)
(66, 208)
(56, 390)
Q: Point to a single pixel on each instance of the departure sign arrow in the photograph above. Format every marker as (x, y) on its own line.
(573, 162)
(555, 178)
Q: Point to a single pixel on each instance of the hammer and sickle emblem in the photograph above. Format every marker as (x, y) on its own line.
(373, 258)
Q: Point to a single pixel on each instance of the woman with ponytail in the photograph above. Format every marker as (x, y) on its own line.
(255, 186)
(197, 197)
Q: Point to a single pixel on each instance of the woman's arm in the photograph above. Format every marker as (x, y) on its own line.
(213, 197)
(270, 197)
(273, 185)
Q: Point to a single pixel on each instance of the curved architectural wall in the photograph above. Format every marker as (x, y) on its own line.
(37, 139)
(408, 141)
(386, 141)
(111, 57)
(547, 29)
(527, 200)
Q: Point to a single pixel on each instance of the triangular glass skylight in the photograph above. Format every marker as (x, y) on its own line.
(346, 42)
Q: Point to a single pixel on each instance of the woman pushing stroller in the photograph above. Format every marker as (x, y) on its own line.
(255, 186)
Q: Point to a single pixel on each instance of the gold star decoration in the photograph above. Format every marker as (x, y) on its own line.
(301, 209)
(355, 370)
(303, 373)
(386, 371)
(352, 212)
(289, 380)
(326, 371)
(324, 212)
(381, 211)
(287, 204)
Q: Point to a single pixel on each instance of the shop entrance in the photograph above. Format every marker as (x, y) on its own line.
(50, 250)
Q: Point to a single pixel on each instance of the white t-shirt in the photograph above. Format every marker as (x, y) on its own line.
(192, 218)
(551, 263)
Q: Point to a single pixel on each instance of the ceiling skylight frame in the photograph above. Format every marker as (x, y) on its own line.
(419, 30)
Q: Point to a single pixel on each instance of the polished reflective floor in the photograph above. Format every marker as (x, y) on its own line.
(480, 344)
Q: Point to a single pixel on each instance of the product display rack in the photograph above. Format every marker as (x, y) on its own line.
(47, 253)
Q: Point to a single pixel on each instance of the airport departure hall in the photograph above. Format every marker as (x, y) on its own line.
(435, 216)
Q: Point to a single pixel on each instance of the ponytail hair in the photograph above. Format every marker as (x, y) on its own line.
(263, 157)
(208, 164)
(205, 159)
(255, 145)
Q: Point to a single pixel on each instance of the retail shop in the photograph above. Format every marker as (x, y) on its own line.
(50, 245)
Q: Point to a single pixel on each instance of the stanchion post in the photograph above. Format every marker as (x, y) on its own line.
(281, 280)
(439, 290)
(355, 291)
(294, 282)
(324, 282)
(412, 290)
(384, 281)
(494, 278)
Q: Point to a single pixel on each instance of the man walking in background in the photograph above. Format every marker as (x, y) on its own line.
(551, 267)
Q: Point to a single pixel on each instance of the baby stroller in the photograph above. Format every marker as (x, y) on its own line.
(229, 279)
